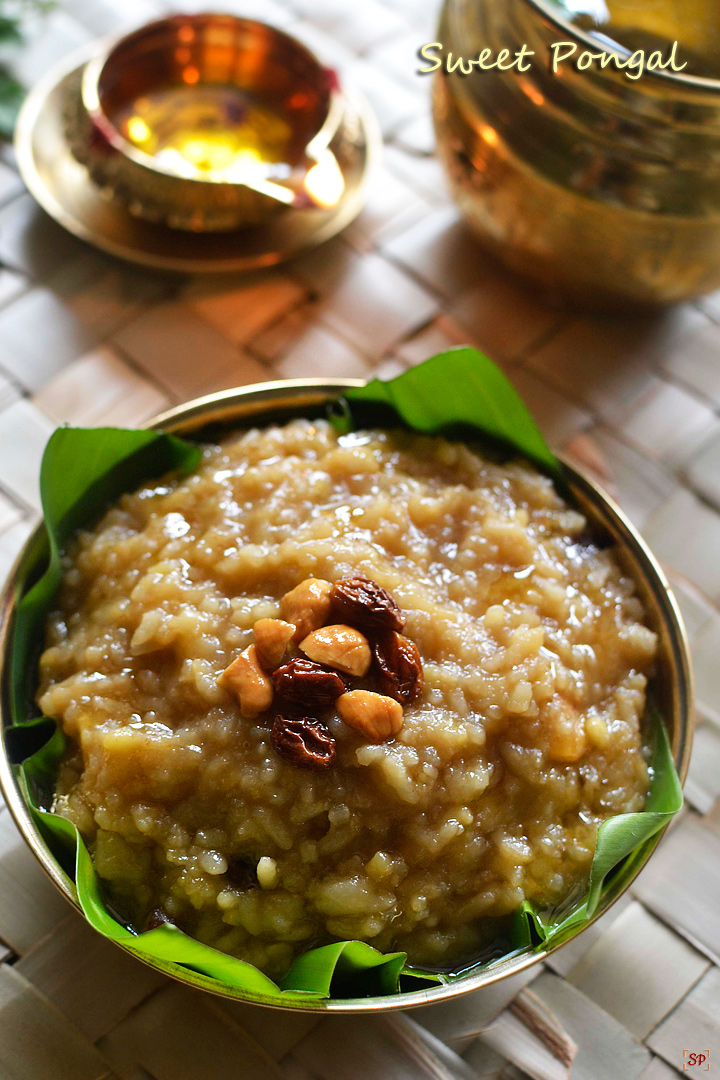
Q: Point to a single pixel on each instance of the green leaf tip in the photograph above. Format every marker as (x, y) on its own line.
(460, 388)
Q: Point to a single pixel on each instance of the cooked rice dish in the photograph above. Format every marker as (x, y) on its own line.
(209, 800)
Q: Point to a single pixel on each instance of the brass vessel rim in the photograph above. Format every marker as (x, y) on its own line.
(260, 403)
(549, 11)
(96, 65)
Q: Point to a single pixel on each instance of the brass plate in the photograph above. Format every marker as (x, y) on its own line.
(65, 191)
(275, 401)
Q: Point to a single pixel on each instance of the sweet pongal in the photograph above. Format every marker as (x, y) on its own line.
(330, 687)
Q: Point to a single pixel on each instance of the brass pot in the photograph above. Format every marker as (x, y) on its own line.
(600, 188)
(210, 417)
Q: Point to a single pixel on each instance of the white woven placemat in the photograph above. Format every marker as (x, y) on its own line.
(90, 341)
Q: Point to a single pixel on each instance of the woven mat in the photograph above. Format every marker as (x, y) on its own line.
(90, 341)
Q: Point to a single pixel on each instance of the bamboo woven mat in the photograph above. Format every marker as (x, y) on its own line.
(91, 341)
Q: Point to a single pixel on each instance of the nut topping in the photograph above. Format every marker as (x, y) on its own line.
(373, 716)
(399, 667)
(307, 606)
(272, 637)
(307, 683)
(314, 681)
(362, 602)
(303, 742)
(248, 682)
(340, 647)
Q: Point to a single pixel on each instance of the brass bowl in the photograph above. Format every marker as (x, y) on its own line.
(210, 417)
(214, 71)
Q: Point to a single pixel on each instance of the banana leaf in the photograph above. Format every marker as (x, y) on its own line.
(83, 471)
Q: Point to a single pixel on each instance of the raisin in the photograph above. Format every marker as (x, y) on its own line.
(399, 667)
(366, 604)
(307, 683)
(303, 742)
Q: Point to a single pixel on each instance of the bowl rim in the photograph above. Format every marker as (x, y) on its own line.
(94, 68)
(244, 404)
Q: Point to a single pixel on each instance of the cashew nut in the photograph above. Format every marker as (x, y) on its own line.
(248, 682)
(272, 637)
(375, 717)
(339, 647)
(307, 606)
